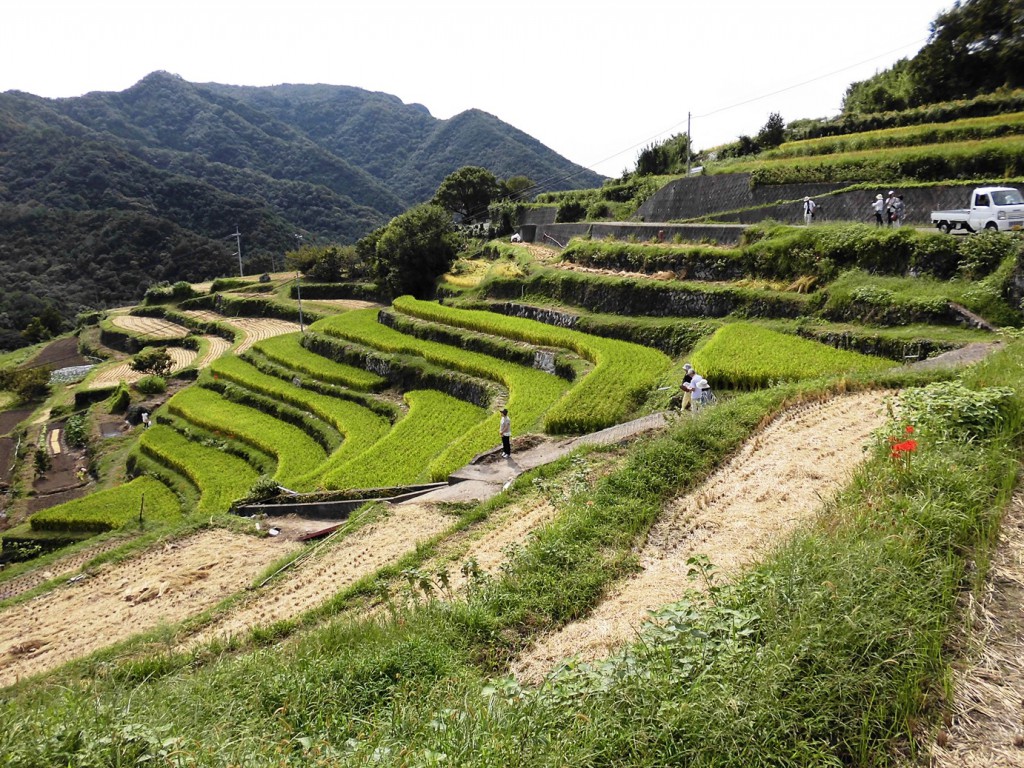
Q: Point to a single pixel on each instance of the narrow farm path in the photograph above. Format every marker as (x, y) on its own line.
(776, 482)
(986, 728)
(164, 585)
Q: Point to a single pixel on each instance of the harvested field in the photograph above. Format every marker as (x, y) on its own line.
(150, 327)
(109, 377)
(255, 328)
(217, 346)
(342, 563)
(776, 483)
(163, 585)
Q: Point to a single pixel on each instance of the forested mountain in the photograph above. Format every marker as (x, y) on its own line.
(103, 194)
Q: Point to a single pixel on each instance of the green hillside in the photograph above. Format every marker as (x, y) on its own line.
(799, 573)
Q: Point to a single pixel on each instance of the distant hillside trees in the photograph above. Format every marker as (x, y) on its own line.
(975, 47)
(328, 264)
(668, 157)
(412, 251)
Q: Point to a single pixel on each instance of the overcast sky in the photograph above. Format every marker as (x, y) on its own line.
(594, 80)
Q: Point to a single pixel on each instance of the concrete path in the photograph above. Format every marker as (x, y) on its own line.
(491, 474)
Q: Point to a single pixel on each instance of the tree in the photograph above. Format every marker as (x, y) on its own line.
(412, 251)
(516, 187)
(467, 192)
(30, 384)
(153, 360)
(772, 133)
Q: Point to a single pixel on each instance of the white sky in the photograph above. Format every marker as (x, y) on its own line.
(594, 80)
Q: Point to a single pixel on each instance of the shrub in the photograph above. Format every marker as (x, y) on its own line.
(120, 399)
(151, 385)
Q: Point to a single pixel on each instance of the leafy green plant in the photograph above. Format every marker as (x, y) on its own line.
(151, 385)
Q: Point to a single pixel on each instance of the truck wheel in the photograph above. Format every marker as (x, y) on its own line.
(944, 227)
(992, 226)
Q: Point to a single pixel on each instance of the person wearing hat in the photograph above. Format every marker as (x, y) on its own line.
(687, 387)
(505, 430)
(879, 208)
(809, 207)
(890, 208)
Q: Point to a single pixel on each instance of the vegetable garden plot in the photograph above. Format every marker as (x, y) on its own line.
(623, 372)
(531, 392)
(220, 477)
(296, 452)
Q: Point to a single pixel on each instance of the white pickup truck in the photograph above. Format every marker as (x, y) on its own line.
(999, 208)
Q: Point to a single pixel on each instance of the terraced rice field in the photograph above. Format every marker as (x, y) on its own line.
(255, 329)
(110, 377)
(150, 327)
(215, 347)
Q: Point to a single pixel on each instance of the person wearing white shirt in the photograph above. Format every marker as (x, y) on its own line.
(809, 207)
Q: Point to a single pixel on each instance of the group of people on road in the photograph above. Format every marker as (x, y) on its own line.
(889, 211)
(696, 390)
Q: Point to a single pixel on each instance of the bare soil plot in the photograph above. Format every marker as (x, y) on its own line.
(773, 485)
(163, 585)
(317, 578)
(62, 353)
(986, 726)
(109, 377)
(150, 327)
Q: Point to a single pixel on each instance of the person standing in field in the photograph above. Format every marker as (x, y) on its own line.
(699, 384)
(505, 430)
(809, 207)
(687, 387)
(879, 208)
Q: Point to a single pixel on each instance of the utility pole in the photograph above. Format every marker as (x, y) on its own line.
(687, 143)
(298, 285)
(238, 241)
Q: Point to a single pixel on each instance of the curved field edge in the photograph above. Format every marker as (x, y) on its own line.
(623, 372)
(405, 453)
(294, 449)
(531, 392)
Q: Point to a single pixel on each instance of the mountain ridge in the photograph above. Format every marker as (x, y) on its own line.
(329, 162)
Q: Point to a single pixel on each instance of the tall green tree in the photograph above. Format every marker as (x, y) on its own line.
(467, 192)
(412, 251)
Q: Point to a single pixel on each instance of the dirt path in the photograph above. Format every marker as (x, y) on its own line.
(987, 723)
(317, 578)
(164, 585)
(773, 485)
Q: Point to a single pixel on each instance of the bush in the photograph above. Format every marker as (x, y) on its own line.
(120, 399)
(151, 385)
(570, 210)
